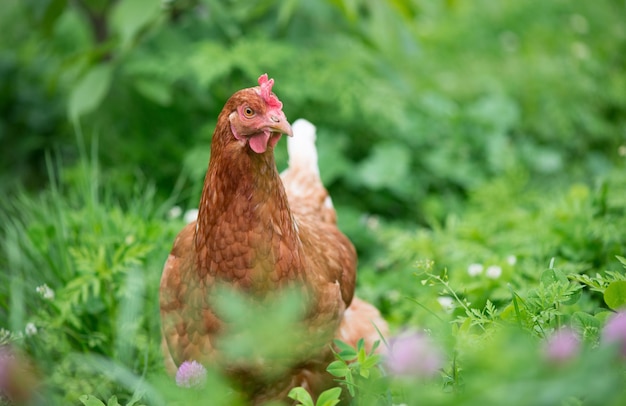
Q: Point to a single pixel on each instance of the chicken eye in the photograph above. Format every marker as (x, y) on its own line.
(248, 112)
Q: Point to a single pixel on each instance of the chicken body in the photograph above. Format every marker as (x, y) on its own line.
(257, 233)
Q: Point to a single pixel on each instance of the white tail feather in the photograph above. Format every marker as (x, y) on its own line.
(301, 147)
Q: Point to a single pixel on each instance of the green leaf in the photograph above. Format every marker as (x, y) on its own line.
(329, 397)
(89, 400)
(360, 345)
(89, 91)
(209, 62)
(113, 401)
(371, 361)
(376, 344)
(551, 276)
(615, 295)
(154, 90)
(350, 384)
(346, 351)
(53, 11)
(575, 296)
(338, 369)
(622, 260)
(300, 394)
(136, 398)
(130, 16)
(386, 166)
(361, 355)
(333, 163)
(584, 320)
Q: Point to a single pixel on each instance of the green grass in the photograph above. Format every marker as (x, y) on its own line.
(101, 255)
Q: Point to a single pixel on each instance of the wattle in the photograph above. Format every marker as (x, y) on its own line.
(258, 142)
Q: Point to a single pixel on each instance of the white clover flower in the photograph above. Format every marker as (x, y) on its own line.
(511, 260)
(447, 303)
(475, 269)
(174, 213)
(30, 329)
(45, 292)
(494, 272)
(190, 215)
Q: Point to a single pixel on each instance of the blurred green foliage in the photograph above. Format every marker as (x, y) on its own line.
(100, 254)
(416, 102)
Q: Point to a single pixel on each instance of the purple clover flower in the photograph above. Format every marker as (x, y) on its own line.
(190, 374)
(614, 331)
(563, 345)
(413, 354)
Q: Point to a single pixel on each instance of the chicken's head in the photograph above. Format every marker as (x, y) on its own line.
(257, 118)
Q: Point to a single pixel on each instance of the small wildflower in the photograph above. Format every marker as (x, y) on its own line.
(493, 272)
(372, 222)
(475, 269)
(5, 335)
(45, 292)
(511, 260)
(190, 215)
(413, 354)
(447, 303)
(562, 345)
(394, 295)
(614, 331)
(30, 329)
(190, 374)
(174, 213)
(425, 264)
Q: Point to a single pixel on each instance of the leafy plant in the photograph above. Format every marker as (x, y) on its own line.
(358, 370)
(329, 397)
(88, 400)
(79, 275)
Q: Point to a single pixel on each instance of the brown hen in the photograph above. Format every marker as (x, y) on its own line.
(257, 233)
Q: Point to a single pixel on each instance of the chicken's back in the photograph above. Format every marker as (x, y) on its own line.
(331, 252)
(332, 257)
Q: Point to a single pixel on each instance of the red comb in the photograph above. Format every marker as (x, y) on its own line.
(266, 92)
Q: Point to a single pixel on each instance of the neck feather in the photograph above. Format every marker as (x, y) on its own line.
(245, 229)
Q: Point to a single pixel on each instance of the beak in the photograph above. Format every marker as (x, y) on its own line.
(279, 124)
